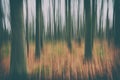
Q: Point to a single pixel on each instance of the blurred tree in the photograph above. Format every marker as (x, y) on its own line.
(107, 24)
(78, 26)
(54, 18)
(27, 34)
(49, 25)
(88, 32)
(94, 15)
(117, 23)
(1, 25)
(68, 23)
(39, 28)
(37, 51)
(42, 31)
(59, 20)
(100, 33)
(18, 69)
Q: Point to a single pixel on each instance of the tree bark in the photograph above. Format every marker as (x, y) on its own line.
(117, 23)
(68, 23)
(18, 69)
(27, 34)
(94, 15)
(88, 35)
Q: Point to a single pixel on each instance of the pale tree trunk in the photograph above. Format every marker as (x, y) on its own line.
(18, 69)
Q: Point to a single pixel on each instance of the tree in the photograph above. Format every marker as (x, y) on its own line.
(100, 33)
(39, 28)
(37, 53)
(107, 24)
(68, 23)
(59, 20)
(1, 25)
(55, 35)
(88, 35)
(78, 29)
(49, 27)
(94, 15)
(18, 69)
(27, 34)
(117, 23)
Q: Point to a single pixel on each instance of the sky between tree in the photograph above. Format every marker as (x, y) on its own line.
(45, 7)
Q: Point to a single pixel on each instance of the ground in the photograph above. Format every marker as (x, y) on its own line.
(56, 62)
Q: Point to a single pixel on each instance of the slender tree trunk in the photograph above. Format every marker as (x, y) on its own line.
(37, 53)
(55, 35)
(100, 22)
(1, 25)
(78, 29)
(27, 34)
(18, 69)
(107, 24)
(59, 20)
(49, 29)
(68, 23)
(41, 28)
(94, 15)
(88, 35)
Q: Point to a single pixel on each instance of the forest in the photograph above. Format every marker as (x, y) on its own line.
(59, 39)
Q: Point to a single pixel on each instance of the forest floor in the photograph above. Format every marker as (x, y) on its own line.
(57, 63)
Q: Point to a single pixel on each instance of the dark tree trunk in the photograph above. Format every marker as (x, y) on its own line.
(94, 15)
(78, 29)
(68, 23)
(1, 25)
(59, 21)
(117, 23)
(18, 69)
(39, 28)
(27, 34)
(49, 27)
(55, 32)
(107, 25)
(37, 51)
(88, 35)
(100, 22)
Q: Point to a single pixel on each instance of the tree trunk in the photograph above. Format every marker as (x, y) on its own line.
(55, 35)
(88, 35)
(100, 22)
(27, 34)
(49, 27)
(1, 25)
(38, 4)
(39, 28)
(78, 29)
(68, 23)
(107, 24)
(18, 69)
(117, 23)
(94, 15)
